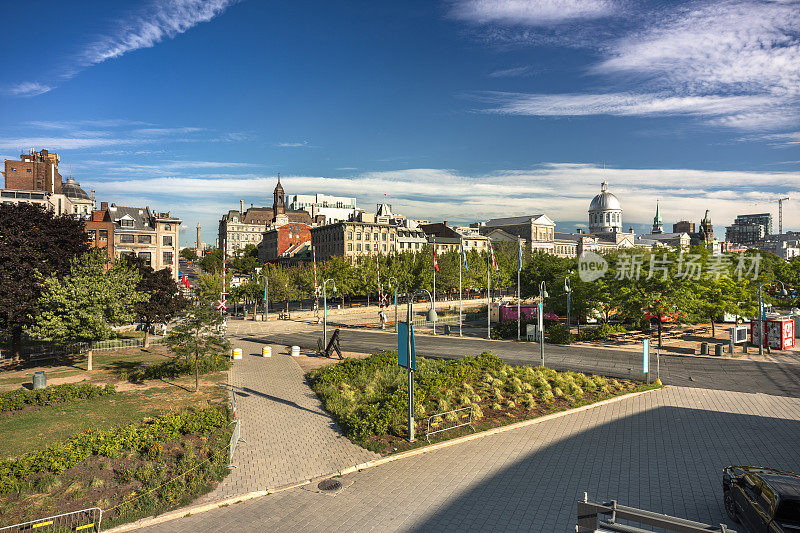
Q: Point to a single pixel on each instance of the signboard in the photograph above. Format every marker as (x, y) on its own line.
(222, 304)
(402, 346)
(646, 356)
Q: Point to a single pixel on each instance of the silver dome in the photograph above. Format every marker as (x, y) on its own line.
(605, 200)
(72, 189)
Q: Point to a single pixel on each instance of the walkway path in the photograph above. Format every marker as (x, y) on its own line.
(662, 451)
(289, 436)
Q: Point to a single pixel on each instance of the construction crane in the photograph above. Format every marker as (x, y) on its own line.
(780, 215)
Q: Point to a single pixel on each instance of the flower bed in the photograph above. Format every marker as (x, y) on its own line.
(68, 392)
(129, 472)
(369, 397)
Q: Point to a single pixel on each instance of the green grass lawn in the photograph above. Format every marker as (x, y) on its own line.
(37, 428)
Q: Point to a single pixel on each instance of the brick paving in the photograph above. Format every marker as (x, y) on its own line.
(662, 451)
(289, 436)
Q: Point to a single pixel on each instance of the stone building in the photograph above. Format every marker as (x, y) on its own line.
(537, 230)
(472, 239)
(442, 237)
(354, 239)
(149, 235)
(605, 212)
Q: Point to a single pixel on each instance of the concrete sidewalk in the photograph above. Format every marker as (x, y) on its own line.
(289, 436)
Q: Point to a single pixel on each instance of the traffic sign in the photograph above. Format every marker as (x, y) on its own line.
(222, 304)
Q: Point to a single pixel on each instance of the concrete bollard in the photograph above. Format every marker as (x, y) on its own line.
(237, 353)
(295, 351)
(266, 351)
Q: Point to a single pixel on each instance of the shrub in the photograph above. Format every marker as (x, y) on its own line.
(177, 367)
(558, 334)
(603, 331)
(68, 392)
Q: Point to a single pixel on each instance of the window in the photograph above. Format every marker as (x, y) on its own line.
(375, 236)
(358, 246)
(167, 258)
(144, 239)
(350, 235)
(126, 223)
(91, 235)
(349, 246)
(26, 170)
(383, 236)
(104, 235)
(384, 247)
(358, 236)
(168, 227)
(145, 256)
(125, 237)
(376, 247)
(35, 196)
(167, 240)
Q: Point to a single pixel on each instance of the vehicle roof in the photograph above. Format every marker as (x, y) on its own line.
(785, 484)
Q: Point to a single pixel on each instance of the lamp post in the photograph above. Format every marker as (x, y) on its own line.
(431, 317)
(325, 313)
(394, 285)
(266, 295)
(542, 295)
(568, 290)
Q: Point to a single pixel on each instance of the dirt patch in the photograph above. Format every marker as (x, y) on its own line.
(309, 361)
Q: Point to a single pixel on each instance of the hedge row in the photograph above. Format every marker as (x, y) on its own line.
(177, 367)
(68, 392)
(16, 472)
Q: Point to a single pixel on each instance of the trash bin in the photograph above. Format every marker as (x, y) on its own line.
(719, 349)
(39, 380)
(703, 348)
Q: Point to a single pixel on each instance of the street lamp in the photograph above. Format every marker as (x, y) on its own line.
(325, 314)
(266, 295)
(431, 317)
(542, 295)
(568, 290)
(394, 285)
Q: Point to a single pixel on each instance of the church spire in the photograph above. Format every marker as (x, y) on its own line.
(658, 224)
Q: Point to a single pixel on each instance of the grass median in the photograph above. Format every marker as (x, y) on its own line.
(369, 397)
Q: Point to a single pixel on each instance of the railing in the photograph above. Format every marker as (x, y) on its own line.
(52, 351)
(85, 521)
(115, 344)
(456, 424)
(589, 520)
(422, 321)
(236, 436)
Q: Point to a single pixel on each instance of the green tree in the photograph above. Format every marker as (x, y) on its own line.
(84, 304)
(212, 260)
(188, 254)
(163, 302)
(34, 244)
(197, 335)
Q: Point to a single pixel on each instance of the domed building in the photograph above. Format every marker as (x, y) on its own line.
(78, 202)
(605, 212)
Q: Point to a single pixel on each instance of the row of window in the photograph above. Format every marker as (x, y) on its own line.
(147, 257)
(128, 238)
(100, 235)
(367, 247)
(610, 218)
(383, 236)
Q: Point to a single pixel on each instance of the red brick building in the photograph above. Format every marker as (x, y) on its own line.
(100, 229)
(276, 241)
(35, 171)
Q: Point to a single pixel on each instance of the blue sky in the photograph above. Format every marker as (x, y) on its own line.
(458, 110)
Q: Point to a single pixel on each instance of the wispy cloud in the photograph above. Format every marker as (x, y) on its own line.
(534, 13)
(156, 22)
(732, 63)
(513, 72)
(303, 144)
(27, 88)
(160, 132)
(61, 143)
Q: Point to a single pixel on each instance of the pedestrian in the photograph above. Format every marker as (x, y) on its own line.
(382, 316)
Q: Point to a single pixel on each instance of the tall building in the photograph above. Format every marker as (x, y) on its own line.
(748, 229)
(537, 229)
(605, 212)
(354, 239)
(239, 228)
(683, 226)
(658, 224)
(706, 234)
(333, 208)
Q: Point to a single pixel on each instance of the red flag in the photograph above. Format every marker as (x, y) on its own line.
(494, 261)
(435, 261)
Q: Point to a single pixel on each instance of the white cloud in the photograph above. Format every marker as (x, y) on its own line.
(27, 88)
(303, 144)
(438, 194)
(532, 12)
(512, 72)
(165, 131)
(61, 143)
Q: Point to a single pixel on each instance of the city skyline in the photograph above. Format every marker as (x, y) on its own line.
(457, 111)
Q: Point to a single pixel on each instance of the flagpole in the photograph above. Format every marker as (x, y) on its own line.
(434, 283)
(519, 294)
(488, 290)
(459, 290)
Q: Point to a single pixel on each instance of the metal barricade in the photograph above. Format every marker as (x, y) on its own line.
(84, 521)
(428, 433)
(236, 437)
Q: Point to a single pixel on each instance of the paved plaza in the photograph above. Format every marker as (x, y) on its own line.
(663, 451)
(289, 436)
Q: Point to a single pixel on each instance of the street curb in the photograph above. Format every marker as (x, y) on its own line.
(185, 512)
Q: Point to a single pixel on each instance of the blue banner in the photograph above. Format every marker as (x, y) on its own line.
(402, 346)
(646, 356)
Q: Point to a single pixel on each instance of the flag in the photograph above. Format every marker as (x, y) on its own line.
(519, 268)
(464, 257)
(435, 261)
(494, 260)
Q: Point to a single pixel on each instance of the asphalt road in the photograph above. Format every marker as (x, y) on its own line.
(782, 379)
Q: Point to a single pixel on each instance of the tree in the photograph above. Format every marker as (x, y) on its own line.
(82, 305)
(197, 334)
(34, 244)
(189, 254)
(212, 260)
(163, 301)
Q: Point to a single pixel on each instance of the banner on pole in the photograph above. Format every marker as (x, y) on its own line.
(402, 346)
(646, 356)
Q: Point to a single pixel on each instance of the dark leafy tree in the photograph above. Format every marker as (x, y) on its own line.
(189, 254)
(34, 244)
(164, 299)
